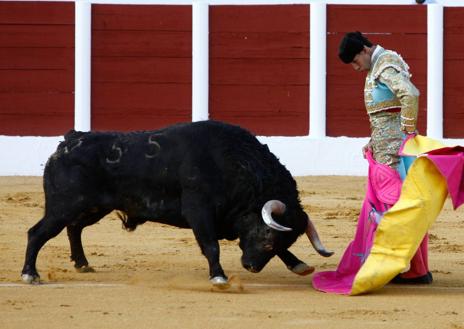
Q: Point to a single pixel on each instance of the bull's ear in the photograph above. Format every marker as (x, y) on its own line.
(277, 207)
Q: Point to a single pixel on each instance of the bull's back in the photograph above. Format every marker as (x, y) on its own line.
(114, 162)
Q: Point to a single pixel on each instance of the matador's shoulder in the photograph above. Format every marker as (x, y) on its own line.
(389, 58)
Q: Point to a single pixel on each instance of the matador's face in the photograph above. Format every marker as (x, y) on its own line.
(362, 61)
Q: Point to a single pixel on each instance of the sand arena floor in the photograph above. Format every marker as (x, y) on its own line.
(156, 276)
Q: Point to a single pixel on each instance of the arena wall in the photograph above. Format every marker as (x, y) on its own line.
(36, 68)
(453, 73)
(143, 58)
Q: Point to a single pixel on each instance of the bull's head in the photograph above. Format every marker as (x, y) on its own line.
(262, 242)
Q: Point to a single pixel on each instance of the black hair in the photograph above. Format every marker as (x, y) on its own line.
(351, 45)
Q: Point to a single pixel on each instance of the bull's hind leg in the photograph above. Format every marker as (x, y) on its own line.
(77, 251)
(38, 235)
(74, 235)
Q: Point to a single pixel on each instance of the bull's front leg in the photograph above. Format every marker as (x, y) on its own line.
(201, 221)
(210, 248)
(294, 264)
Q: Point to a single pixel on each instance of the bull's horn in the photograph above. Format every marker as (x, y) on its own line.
(315, 241)
(276, 207)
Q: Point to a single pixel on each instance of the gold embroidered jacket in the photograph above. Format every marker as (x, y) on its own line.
(388, 86)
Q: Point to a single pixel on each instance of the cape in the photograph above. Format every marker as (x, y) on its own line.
(396, 215)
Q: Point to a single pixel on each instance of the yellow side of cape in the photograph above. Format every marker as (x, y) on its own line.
(403, 226)
(421, 144)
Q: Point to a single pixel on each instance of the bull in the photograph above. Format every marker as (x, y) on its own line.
(214, 178)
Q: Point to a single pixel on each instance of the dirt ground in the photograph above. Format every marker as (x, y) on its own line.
(156, 276)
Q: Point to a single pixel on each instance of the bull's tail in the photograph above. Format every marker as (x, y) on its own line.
(72, 139)
(73, 134)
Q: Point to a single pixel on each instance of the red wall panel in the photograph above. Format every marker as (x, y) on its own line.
(400, 28)
(36, 68)
(259, 68)
(453, 72)
(141, 66)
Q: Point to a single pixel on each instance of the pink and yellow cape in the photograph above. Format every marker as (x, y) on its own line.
(396, 216)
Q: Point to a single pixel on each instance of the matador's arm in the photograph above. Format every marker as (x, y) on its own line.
(401, 85)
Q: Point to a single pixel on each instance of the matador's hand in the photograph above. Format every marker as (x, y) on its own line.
(366, 148)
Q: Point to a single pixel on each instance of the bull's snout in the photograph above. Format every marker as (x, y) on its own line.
(253, 265)
(251, 268)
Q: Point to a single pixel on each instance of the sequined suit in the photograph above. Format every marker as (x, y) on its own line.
(392, 104)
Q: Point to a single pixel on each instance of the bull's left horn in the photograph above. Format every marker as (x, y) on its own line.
(276, 207)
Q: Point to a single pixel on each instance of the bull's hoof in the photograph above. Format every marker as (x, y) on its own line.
(85, 269)
(30, 279)
(220, 282)
(302, 269)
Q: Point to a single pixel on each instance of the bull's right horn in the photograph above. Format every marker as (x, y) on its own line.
(276, 207)
(315, 241)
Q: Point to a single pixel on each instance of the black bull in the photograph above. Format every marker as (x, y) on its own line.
(214, 178)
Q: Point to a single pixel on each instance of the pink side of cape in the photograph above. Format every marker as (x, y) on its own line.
(450, 163)
(383, 190)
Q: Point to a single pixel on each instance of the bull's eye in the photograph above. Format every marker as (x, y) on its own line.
(268, 247)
